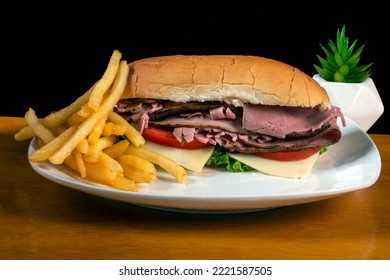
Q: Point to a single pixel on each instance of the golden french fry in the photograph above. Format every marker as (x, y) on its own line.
(80, 165)
(131, 133)
(164, 162)
(50, 148)
(95, 171)
(24, 134)
(122, 183)
(136, 162)
(96, 131)
(85, 111)
(113, 128)
(110, 163)
(74, 119)
(105, 82)
(83, 146)
(137, 175)
(39, 129)
(117, 149)
(95, 150)
(86, 127)
(99, 173)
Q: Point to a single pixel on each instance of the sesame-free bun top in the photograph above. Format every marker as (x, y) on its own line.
(235, 79)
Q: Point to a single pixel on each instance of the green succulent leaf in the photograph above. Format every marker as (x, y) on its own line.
(338, 77)
(339, 59)
(352, 48)
(341, 39)
(356, 55)
(323, 73)
(341, 62)
(353, 64)
(326, 64)
(344, 70)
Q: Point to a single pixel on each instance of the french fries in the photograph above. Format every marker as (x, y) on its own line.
(117, 149)
(47, 150)
(40, 130)
(94, 151)
(79, 165)
(89, 137)
(87, 126)
(55, 118)
(132, 163)
(164, 162)
(113, 128)
(105, 82)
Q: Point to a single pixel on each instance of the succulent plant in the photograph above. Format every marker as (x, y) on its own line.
(341, 61)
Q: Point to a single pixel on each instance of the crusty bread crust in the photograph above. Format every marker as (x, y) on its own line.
(235, 79)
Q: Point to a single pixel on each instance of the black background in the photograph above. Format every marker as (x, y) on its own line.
(53, 54)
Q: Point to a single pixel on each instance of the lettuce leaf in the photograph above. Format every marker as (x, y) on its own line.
(221, 158)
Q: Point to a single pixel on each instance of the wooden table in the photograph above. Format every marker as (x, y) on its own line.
(40, 219)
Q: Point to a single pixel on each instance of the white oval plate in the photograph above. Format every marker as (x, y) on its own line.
(353, 163)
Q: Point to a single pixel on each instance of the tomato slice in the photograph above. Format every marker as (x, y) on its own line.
(289, 155)
(166, 138)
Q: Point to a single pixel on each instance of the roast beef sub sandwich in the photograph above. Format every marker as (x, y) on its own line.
(245, 112)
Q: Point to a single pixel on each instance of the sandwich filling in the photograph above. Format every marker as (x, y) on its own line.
(248, 129)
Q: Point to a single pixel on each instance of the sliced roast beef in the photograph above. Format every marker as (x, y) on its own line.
(170, 108)
(203, 122)
(328, 135)
(245, 143)
(248, 129)
(281, 121)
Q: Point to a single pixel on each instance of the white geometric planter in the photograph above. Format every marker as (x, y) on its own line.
(358, 101)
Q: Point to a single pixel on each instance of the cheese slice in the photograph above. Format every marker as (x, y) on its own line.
(290, 169)
(190, 159)
(195, 160)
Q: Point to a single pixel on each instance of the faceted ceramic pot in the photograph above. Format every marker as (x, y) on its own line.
(358, 101)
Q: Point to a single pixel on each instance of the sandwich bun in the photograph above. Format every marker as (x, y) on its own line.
(234, 79)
